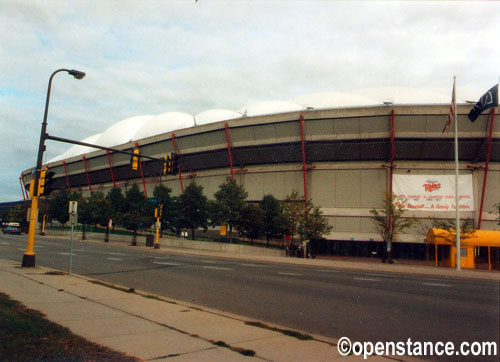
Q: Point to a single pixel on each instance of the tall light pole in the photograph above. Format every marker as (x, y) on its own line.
(29, 255)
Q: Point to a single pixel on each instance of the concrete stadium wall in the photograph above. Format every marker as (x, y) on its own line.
(349, 149)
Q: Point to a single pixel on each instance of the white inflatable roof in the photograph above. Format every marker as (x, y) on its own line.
(334, 100)
(269, 107)
(215, 115)
(163, 123)
(123, 131)
(79, 150)
(139, 127)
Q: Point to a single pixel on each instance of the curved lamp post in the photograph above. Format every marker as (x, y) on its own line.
(29, 255)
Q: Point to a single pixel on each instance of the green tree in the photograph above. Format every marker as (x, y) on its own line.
(193, 206)
(117, 205)
(252, 224)
(274, 221)
(138, 211)
(448, 228)
(169, 214)
(94, 210)
(229, 205)
(59, 204)
(390, 220)
(16, 214)
(313, 225)
(293, 210)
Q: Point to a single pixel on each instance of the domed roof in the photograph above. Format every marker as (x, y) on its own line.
(162, 123)
(77, 149)
(404, 95)
(269, 107)
(333, 100)
(215, 115)
(123, 131)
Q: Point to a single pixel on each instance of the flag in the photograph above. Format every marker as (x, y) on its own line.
(488, 100)
(452, 107)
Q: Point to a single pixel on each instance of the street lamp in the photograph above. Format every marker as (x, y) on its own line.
(29, 255)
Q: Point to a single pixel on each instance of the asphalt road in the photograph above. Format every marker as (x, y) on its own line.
(331, 302)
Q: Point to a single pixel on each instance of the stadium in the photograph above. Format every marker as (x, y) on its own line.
(342, 150)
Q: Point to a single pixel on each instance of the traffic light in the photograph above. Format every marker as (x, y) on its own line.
(165, 165)
(45, 182)
(41, 181)
(170, 164)
(134, 160)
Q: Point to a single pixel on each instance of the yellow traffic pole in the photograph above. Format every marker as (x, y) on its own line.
(29, 255)
(157, 239)
(43, 225)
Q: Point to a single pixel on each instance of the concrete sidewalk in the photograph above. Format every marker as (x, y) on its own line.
(151, 327)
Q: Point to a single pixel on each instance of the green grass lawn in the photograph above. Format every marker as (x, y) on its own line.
(25, 335)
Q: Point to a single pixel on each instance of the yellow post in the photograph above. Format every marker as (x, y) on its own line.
(157, 239)
(29, 255)
(43, 224)
(489, 257)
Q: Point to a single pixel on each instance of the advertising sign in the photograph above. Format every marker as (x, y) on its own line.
(434, 192)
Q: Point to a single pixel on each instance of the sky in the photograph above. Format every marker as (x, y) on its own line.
(150, 57)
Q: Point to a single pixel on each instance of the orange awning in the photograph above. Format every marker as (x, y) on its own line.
(477, 238)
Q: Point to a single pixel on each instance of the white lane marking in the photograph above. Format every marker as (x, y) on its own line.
(328, 271)
(294, 274)
(4, 243)
(114, 253)
(166, 263)
(209, 261)
(80, 250)
(215, 267)
(256, 265)
(114, 259)
(22, 249)
(437, 284)
(368, 279)
(66, 253)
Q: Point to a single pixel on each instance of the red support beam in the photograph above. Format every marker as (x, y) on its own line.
(487, 161)
(142, 174)
(87, 172)
(67, 178)
(23, 187)
(111, 168)
(229, 151)
(391, 168)
(179, 164)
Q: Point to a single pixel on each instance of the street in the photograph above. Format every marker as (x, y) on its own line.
(363, 306)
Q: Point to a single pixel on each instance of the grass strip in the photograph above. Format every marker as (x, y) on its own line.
(26, 335)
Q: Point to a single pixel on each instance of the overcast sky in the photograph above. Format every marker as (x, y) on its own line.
(150, 57)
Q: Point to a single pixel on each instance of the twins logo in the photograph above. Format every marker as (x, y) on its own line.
(431, 186)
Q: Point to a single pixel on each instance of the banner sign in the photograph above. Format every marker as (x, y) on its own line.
(434, 192)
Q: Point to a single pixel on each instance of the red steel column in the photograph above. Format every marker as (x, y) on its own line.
(488, 153)
(142, 174)
(111, 168)
(179, 164)
(391, 169)
(23, 188)
(229, 151)
(87, 172)
(67, 178)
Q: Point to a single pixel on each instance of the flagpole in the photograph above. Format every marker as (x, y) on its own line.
(457, 205)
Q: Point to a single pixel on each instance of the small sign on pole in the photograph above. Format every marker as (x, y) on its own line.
(223, 229)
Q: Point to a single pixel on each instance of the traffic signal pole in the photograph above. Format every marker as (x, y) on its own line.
(29, 255)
